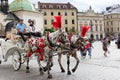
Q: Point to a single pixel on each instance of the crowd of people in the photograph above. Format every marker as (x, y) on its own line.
(86, 47)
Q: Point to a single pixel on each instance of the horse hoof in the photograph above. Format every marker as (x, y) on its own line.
(49, 76)
(41, 73)
(69, 73)
(50, 68)
(63, 71)
(27, 71)
(44, 68)
(73, 70)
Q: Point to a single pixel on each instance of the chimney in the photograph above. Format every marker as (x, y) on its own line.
(108, 8)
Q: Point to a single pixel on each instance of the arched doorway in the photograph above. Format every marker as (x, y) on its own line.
(92, 37)
(101, 36)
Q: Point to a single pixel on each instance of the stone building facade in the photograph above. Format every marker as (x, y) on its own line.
(112, 20)
(94, 20)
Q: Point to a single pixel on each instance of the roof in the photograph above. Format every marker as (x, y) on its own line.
(55, 6)
(113, 10)
(21, 5)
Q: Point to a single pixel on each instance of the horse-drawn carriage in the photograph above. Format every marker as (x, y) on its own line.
(17, 49)
(56, 42)
(14, 49)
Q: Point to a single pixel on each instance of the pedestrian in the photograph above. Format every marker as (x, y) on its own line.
(118, 43)
(105, 46)
(88, 47)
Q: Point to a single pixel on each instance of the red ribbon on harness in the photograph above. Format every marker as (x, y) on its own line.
(28, 54)
(41, 56)
(70, 36)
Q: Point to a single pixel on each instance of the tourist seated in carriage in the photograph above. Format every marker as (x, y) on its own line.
(29, 31)
(21, 29)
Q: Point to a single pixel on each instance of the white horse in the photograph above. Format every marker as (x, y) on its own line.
(74, 44)
(50, 46)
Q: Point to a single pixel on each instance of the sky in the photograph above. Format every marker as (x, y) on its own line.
(83, 5)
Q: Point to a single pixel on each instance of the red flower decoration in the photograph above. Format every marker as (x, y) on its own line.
(42, 45)
(41, 40)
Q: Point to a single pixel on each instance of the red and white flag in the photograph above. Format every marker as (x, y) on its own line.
(57, 24)
(84, 30)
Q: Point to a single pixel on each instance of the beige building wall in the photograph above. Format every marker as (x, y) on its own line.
(68, 12)
(69, 18)
(94, 20)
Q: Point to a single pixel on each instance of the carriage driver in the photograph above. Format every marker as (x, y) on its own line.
(21, 29)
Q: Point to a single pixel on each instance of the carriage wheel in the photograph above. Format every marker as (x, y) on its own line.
(16, 60)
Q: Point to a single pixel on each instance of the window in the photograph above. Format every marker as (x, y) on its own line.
(85, 24)
(58, 13)
(52, 21)
(43, 6)
(45, 22)
(52, 14)
(50, 6)
(1, 26)
(73, 29)
(58, 6)
(45, 13)
(91, 28)
(72, 13)
(66, 22)
(96, 28)
(111, 16)
(95, 21)
(118, 28)
(112, 29)
(107, 17)
(65, 13)
(107, 29)
(111, 23)
(66, 29)
(71, 7)
(107, 23)
(73, 22)
(100, 27)
(64, 6)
